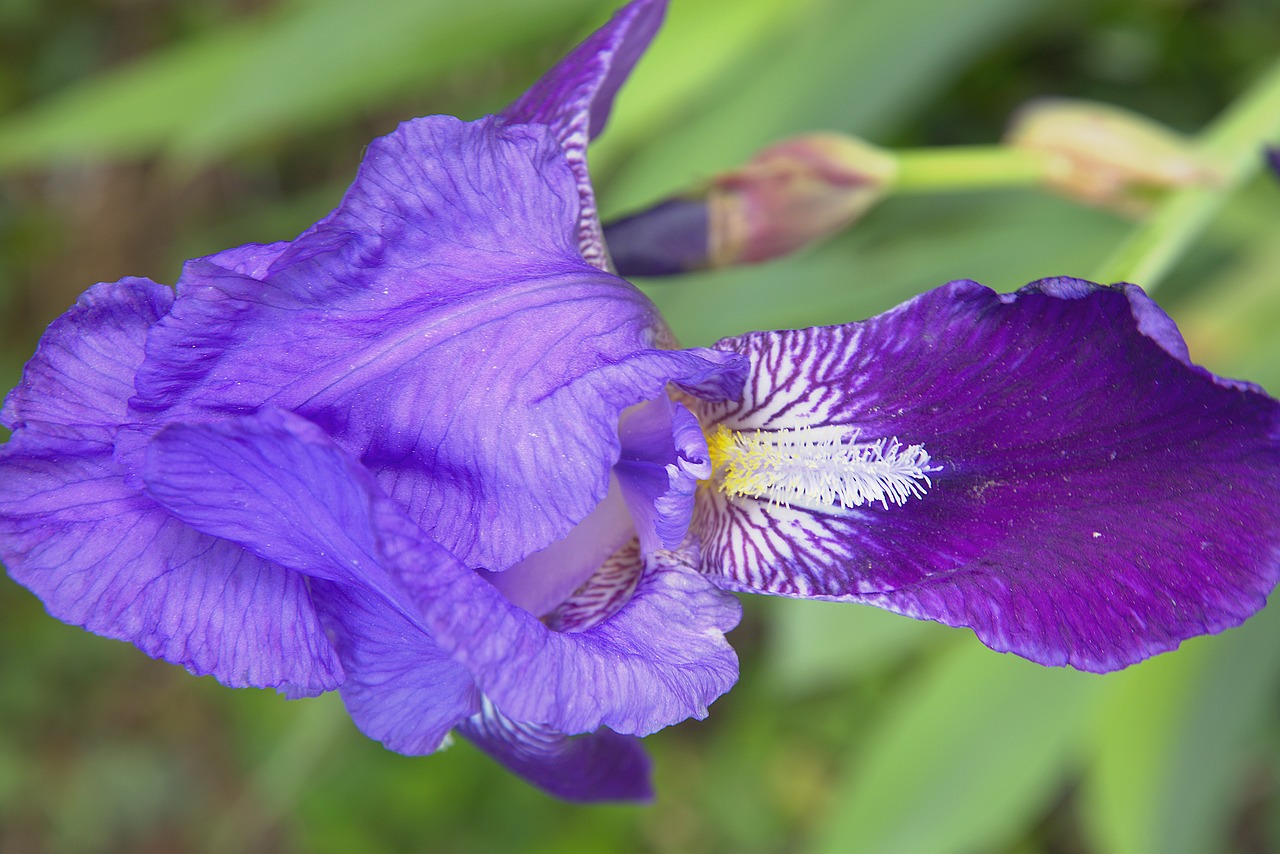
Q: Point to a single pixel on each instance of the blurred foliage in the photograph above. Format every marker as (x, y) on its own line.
(137, 133)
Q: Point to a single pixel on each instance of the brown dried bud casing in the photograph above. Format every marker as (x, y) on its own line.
(792, 194)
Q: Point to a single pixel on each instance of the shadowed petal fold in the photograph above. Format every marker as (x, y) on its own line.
(664, 455)
(661, 658)
(598, 766)
(1093, 498)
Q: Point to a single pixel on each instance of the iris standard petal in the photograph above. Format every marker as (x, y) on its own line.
(660, 659)
(1088, 496)
(276, 485)
(82, 372)
(598, 766)
(574, 99)
(441, 326)
(103, 556)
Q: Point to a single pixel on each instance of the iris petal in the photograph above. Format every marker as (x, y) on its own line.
(82, 373)
(664, 455)
(1097, 498)
(401, 688)
(276, 485)
(660, 659)
(598, 766)
(102, 555)
(442, 327)
(574, 99)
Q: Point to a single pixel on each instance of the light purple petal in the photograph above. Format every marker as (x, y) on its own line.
(275, 484)
(599, 766)
(250, 480)
(545, 578)
(441, 326)
(664, 455)
(401, 689)
(660, 659)
(82, 371)
(1096, 498)
(574, 99)
(102, 556)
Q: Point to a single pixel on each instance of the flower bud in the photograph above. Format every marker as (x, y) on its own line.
(789, 195)
(793, 194)
(1104, 155)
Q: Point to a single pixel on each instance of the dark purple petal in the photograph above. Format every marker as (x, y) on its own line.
(1094, 499)
(591, 768)
(441, 326)
(574, 99)
(82, 372)
(1273, 159)
(102, 556)
(664, 455)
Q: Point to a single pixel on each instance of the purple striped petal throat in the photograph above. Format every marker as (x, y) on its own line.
(1046, 467)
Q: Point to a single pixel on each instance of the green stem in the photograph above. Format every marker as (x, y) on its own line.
(977, 167)
(1232, 146)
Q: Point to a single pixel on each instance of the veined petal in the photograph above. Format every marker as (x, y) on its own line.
(276, 485)
(442, 327)
(103, 556)
(1092, 499)
(574, 99)
(401, 689)
(82, 372)
(598, 766)
(660, 659)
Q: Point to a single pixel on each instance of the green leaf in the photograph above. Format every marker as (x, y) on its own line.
(814, 645)
(964, 758)
(830, 65)
(286, 70)
(1173, 737)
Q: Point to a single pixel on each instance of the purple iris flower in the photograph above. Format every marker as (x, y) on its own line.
(433, 454)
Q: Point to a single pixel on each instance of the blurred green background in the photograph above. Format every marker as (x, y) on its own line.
(137, 133)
